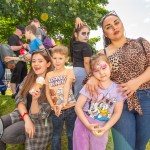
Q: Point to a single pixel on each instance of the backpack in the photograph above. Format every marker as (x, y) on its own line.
(3, 87)
(2, 70)
(47, 42)
(3, 83)
(139, 40)
(5, 50)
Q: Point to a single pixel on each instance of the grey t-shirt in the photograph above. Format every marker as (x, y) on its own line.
(40, 34)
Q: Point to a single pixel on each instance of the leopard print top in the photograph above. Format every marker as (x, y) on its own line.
(129, 62)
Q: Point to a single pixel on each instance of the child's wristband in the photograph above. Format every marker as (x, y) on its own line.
(24, 115)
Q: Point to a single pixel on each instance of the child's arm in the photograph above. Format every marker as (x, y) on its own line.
(67, 87)
(48, 96)
(78, 22)
(78, 109)
(87, 64)
(114, 118)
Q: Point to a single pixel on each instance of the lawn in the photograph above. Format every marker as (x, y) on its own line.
(7, 105)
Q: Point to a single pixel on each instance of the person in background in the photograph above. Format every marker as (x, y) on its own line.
(48, 41)
(60, 96)
(99, 114)
(35, 43)
(20, 70)
(39, 32)
(29, 122)
(80, 52)
(130, 69)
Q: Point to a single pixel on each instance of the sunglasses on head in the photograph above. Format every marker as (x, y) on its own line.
(108, 14)
(42, 50)
(85, 33)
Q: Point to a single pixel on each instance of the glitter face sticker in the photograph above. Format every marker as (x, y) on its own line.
(100, 67)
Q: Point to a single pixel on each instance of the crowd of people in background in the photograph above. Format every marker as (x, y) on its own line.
(107, 90)
(35, 35)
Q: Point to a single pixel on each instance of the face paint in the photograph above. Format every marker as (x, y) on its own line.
(100, 66)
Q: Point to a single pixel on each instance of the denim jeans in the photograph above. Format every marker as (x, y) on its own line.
(132, 132)
(80, 75)
(68, 116)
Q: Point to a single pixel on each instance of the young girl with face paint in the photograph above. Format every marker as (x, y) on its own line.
(80, 52)
(97, 115)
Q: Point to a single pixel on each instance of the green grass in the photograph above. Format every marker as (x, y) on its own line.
(7, 105)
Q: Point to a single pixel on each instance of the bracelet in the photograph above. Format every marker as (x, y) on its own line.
(24, 115)
(90, 75)
(86, 78)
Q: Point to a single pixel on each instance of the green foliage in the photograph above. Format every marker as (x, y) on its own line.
(61, 15)
(7, 26)
(93, 42)
(6, 103)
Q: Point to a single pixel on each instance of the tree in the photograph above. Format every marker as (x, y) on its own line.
(57, 15)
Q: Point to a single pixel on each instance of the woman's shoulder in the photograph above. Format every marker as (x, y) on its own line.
(135, 40)
(138, 41)
(141, 40)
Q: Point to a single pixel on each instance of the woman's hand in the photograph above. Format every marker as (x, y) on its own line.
(129, 87)
(36, 94)
(30, 128)
(92, 86)
(78, 23)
